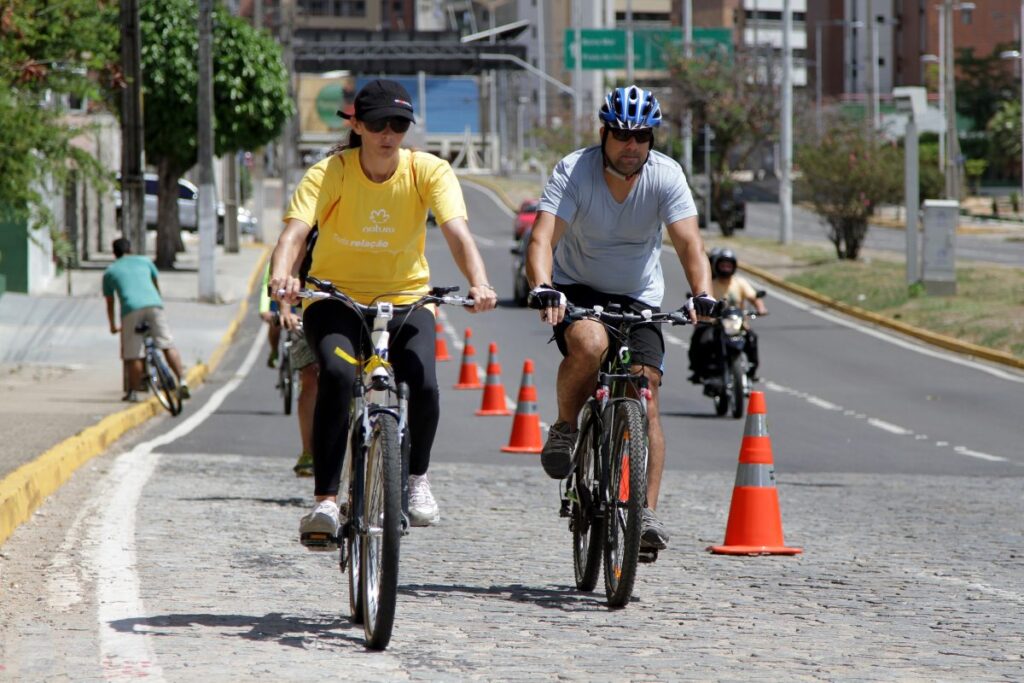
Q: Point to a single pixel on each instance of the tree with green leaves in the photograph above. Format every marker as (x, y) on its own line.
(982, 82)
(250, 88)
(49, 50)
(728, 93)
(1005, 135)
(845, 175)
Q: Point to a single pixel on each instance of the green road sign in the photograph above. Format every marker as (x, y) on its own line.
(605, 48)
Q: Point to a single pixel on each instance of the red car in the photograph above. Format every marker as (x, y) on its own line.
(525, 217)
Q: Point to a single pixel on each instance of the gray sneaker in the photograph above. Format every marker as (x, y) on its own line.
(318, 530)
(653, 534)
(556, 457)
(423, 510)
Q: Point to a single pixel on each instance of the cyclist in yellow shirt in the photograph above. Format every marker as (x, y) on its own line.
(371, 215)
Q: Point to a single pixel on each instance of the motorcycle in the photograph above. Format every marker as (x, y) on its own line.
(723, 370)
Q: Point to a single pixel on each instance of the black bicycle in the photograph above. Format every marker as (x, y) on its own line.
(159, 377)
(378, 460)
(286, 373)
(606, 490)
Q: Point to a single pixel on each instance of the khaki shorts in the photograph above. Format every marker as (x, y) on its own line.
(302, 355)
(132, 343)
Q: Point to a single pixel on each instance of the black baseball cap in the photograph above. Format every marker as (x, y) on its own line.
(381, 99)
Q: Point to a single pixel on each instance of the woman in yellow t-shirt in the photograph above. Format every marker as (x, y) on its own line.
(371, 201)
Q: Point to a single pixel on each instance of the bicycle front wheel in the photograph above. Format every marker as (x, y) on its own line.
(383, 532)
(626, 494)
(587, 528)
(162, 383)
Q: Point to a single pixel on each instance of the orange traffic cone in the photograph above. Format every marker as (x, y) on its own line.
(468, 377)
(755, 523)
(493, 402)
(525, 436)
(440, 344)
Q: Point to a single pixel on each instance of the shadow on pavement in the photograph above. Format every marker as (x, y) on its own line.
(292, 631)
(280, 502)
(567, 599)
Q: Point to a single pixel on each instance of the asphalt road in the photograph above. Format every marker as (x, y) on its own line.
(174, 556)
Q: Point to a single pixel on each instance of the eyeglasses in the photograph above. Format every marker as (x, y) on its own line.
(643, 135)
(396, 123)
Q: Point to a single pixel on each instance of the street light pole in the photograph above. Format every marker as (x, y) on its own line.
(577, 80)
(688, 116)
(785, 186)
(629, 42)
(952, 165)
(942, 85)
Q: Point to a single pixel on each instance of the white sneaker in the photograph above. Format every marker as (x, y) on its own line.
(318, 530)
(422, 506)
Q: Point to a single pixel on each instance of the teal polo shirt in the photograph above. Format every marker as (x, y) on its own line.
(131, 277)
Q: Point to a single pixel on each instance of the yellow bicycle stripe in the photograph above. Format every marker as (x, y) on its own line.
(344, 356)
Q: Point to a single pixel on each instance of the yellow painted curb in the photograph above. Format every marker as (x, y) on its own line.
(25, 489)
(933, 338)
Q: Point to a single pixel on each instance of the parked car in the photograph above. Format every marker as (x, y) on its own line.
(188, 208)
(734, 209)
(520, 285)
(525, 217)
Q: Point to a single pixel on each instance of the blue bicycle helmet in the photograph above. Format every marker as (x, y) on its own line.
(630, 108)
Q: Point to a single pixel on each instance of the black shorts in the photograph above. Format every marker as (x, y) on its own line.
(646, 343)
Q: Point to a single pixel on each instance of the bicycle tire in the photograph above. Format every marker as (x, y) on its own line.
(626, 493)
(383, 516)
(587, 527)
(353, 540)
(161, 381)
(287, 380)
(737, 394)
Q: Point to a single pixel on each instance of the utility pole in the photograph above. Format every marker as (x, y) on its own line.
(952, 143)
(133, 187)
(629, 42)
(289, 137)
(786, 182)
(687, 131)
(872, 70)
(577, 80)
(708, 137)
(257, 170)
(542, 93)
(207, 206)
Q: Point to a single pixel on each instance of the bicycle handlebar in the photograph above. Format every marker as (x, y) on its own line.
(574, 313)
(437, 295)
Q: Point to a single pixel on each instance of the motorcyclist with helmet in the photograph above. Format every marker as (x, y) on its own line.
(736, 290)
(597, 240)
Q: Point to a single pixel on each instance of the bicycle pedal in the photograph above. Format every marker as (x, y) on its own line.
(647, 555)
(319, 541)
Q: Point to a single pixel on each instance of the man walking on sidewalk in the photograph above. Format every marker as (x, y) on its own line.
(134, 280)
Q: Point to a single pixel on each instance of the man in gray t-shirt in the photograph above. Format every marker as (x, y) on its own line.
(597, 240)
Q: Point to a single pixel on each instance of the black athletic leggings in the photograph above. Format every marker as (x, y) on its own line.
(332, 328)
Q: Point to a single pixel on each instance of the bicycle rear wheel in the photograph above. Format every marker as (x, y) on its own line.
(162, 383)
(286, 378)
(626, 493)
(383, 516)
(587, 528)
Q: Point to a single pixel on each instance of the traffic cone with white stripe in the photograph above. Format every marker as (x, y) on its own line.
(493, 402)
(440, 344)
(469, 377)
(525, 436)
(755, 523)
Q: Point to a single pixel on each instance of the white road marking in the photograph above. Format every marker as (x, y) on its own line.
(493, 197)
(878, 423)
(964, 450)
(124, 649)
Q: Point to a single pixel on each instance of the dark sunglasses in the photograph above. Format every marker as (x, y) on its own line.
(643, 136)
(396, 123)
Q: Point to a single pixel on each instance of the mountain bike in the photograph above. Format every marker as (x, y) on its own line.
(378, 462)
(606, 490)
(159, 377)
(286, 373)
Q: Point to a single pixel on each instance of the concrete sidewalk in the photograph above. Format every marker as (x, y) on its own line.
(61, 375)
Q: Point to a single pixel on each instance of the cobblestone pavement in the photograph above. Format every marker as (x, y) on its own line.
(902, 578)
